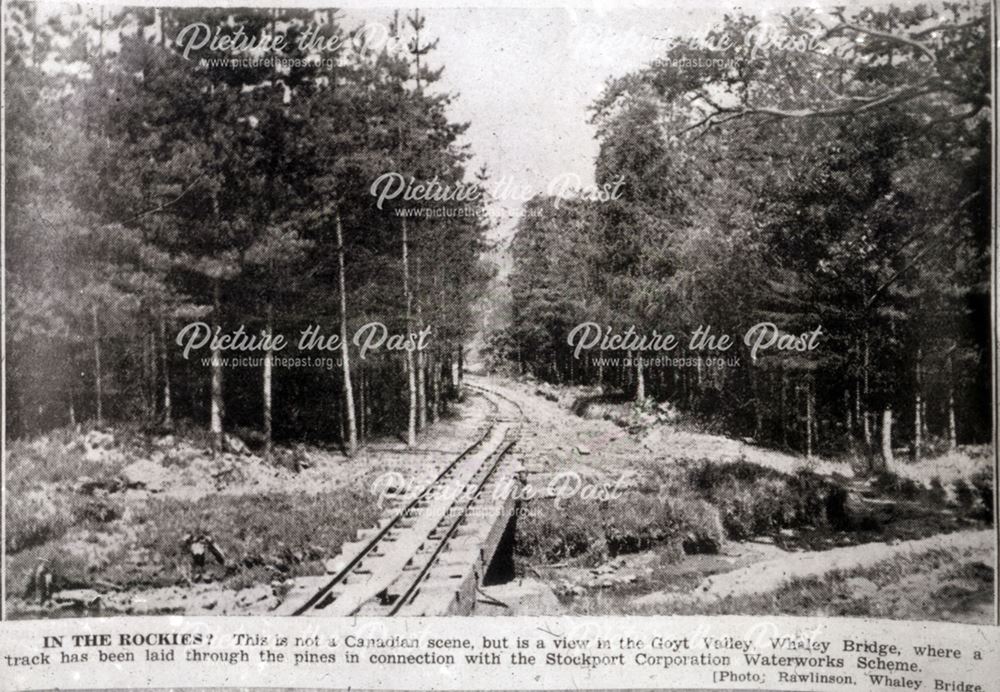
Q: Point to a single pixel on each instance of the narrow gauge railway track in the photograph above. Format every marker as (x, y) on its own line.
(428, 553)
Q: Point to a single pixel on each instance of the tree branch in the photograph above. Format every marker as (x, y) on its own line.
(163, 206)
(947, 27)
(857, 106)
(885, 36)
(927, 248)
(957, 117)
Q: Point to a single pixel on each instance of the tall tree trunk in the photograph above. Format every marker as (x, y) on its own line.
(784, 408)
(411, 388)
(952, 428)
(268, 365)
(640, 379)
(887, 457)
(918, 409)
(686, 386)
(168, 415)
(147, 378)
(216, 412)
(435, 389)
(866, 392)
(411, 375)
(351, 442)
(154, 362)
(810, 418)
(98, 383)
(817, 423)
(421, 357)
(758, 423)
(100, 34)
(857, 401)
(362, 402)
(848, 420)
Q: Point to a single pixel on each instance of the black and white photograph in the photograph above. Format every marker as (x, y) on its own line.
(651, 309)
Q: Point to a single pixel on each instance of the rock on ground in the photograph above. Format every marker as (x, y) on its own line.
(145, 474)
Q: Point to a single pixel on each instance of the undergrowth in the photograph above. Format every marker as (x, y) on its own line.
(262, 537)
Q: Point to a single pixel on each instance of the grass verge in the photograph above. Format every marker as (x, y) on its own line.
(263, 537)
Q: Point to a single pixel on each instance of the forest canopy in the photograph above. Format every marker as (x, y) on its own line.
(825, 168)
(153, 183)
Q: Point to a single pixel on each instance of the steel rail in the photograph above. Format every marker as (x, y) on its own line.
(342, 574)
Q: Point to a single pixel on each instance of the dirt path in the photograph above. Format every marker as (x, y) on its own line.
(940, 577)
(770, 575)
(556, 440)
